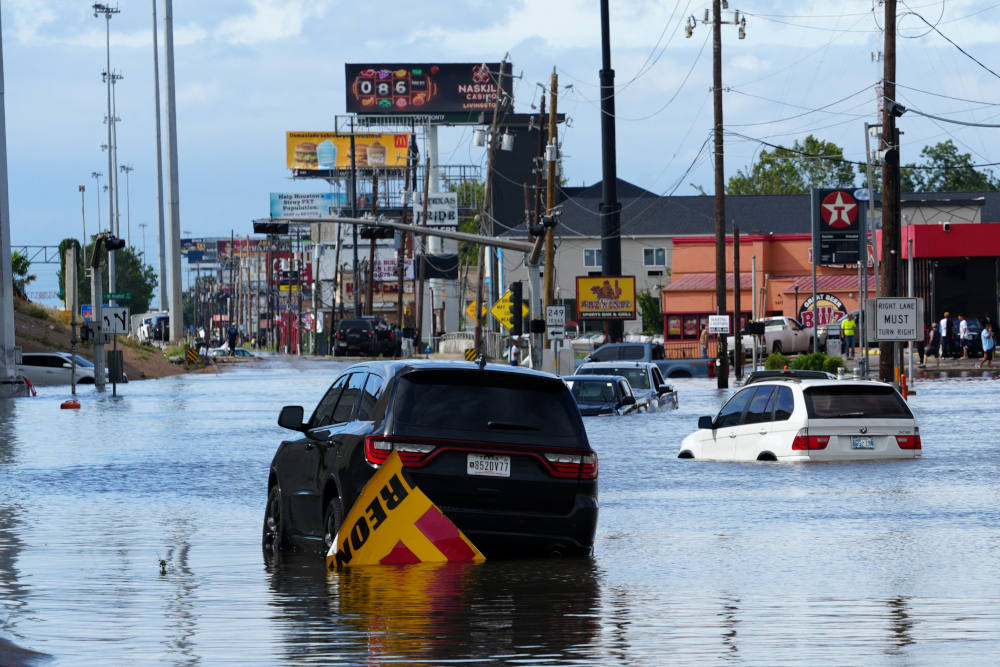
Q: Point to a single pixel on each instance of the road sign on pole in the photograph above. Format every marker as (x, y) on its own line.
(718, 324)
(555, 322)
(501, 310)
(115, 320)
(896, 319)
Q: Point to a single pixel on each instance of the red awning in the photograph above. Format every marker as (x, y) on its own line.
(705, 281)
(836, 283)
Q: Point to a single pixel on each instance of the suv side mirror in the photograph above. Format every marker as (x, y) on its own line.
(291, 417)
(628, 400)
(706, 422)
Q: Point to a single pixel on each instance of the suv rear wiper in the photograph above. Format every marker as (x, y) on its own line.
(509, 426)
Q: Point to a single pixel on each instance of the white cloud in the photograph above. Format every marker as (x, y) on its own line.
(269, 21)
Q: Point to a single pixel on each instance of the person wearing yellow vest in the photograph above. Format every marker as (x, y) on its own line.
(849, 328)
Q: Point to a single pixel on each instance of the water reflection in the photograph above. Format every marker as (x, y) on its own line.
(180, 603)
(429, 613)
(900, 622)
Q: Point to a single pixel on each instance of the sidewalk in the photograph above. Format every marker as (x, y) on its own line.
(948, 367)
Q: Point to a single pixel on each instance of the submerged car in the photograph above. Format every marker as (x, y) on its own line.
(651, 391)
(793, 373)
(502, 451)
(601, 394)
(55, 368)
(808, 420)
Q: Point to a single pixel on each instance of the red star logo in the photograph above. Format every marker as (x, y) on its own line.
(839, 210)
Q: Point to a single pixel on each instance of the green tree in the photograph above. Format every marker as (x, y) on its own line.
(470, 197)
(942, 169)
(652, 315)
(133, 276)
(907, 177)
(20, 265)
(813, 163)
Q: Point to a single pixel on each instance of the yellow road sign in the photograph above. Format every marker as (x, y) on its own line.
(193, 356)
(470, 310)
(502, 310)
(470, 354)
(394, 523)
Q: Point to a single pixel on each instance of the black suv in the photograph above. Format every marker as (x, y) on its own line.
(366, 335)
(502, 451)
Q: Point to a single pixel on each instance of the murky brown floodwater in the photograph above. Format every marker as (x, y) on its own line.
(130, 533)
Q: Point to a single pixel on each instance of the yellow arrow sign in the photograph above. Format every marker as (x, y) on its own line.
(394, 523)
(470, 310)
(502, 310)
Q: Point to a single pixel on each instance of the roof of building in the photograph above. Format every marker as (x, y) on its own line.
(645, 213)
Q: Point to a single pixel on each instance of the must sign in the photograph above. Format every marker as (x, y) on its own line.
(896, 319)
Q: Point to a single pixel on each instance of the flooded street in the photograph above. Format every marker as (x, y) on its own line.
(130, 533)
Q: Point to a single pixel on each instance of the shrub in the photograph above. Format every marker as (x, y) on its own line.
(809, 362)
(832, 364)
(775, 362)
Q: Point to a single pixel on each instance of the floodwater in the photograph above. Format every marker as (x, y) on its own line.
(130, 533)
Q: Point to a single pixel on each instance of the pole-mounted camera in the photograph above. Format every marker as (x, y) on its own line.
(109, 242)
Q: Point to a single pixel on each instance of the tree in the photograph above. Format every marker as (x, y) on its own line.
(133, 276)
(470, 196)
(20, 265)
(652, 316)
(943, 169)
(813, 163)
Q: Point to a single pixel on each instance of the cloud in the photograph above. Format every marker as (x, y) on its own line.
(270, 21)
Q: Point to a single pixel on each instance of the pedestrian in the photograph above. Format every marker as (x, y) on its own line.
(703, 341)
(963, 332)
(988, 344)
(944, 326)
(933, 344)
(231, 335)
(849, 328)
(515, 351)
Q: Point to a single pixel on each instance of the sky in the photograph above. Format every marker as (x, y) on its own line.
(247, 71)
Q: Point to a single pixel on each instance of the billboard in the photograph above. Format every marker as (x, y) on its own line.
(829, 310)
(442, 210)
(294, 205)
(313, 151)
(837, 221)
(605, 297)
(422, 88)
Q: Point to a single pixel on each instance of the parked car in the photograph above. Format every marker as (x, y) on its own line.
(973, 337)
(54, 368)
(808, 420)
(782, 335)
(224, 352)
(686, 368)
(637, 351)
(601, 394)
(367, 335)
(651, 392)
(502, 451)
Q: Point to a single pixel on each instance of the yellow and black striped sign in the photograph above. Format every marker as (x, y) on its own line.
(193, 356)
(470, 354)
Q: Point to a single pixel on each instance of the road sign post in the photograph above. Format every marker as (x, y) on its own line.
(896, 319)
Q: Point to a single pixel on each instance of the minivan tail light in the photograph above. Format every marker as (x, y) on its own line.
(908, 441)
(805, 442)
(562, 464)
(378, 448)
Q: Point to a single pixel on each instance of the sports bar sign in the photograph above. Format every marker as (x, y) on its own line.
(422, 88)
(605, 297)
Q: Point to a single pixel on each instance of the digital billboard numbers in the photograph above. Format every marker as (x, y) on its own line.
(837, 221)
(422, 88)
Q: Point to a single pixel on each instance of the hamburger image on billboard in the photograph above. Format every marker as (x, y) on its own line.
(305, 155)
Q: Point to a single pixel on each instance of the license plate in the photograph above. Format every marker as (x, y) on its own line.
(488, 465)
(862, 442)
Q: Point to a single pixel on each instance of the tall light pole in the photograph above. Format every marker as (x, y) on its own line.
(142, 226)
(128, 169)
(9, 383)
(173, 197)
(83, 218)
(96, 175)
(108, 12)
(160, 225)
(720, 180)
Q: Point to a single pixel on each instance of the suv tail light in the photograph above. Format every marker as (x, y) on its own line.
(908, 441)
(562, 464)
(805, 442)
(377, 450)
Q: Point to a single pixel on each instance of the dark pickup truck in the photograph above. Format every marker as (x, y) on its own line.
(670, 368)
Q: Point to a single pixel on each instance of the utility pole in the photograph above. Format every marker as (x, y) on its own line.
(418, 293)
(491, 149)
(720, 178)
(737, 285)
(173, 192)
(370, 287)
(889, 267)
(10, 383)
(160, 225)
(611, 247)
(552, 158)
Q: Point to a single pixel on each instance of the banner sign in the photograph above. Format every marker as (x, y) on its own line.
(385, 267)
(837, 221)
(442, 210)
(292, 205)
(829, 310)
(313, 151)
(606, 297)
(422, 88)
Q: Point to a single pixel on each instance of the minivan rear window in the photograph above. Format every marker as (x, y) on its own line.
(853, 401)
(490, 406)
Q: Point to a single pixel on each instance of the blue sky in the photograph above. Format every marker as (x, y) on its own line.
(248, 70)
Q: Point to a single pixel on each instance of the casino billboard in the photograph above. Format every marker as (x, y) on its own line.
(401, 88)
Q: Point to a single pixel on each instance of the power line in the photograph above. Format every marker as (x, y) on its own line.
(807, 111)
(948, 39)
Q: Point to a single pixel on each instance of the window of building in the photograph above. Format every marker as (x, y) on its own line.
(654, 256)
(592, 257)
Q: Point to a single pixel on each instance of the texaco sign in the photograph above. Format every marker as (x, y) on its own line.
(837, 225)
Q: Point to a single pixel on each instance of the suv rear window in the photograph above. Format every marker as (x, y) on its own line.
(852, 401)
(484, 405)
(354, 324)
(638, 377)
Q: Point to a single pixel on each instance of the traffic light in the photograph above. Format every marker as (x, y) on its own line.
(114, 243)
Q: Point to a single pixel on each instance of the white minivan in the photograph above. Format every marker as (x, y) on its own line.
(808, 420)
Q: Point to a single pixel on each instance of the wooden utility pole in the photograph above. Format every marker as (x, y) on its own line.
(418, 293)
(720, 192)
(372, 241)
(737, 285)
(889, 267)
(401, 250)
(491, 148)
(550, 193)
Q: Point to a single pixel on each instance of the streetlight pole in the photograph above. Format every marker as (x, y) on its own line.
(108, 78)
(96, 175)
(128, 169)
(160, 225)
(142, 226)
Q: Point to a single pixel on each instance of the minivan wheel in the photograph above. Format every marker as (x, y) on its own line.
(333, 516)
(766, 456)
(686, 454)
(272, 538)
